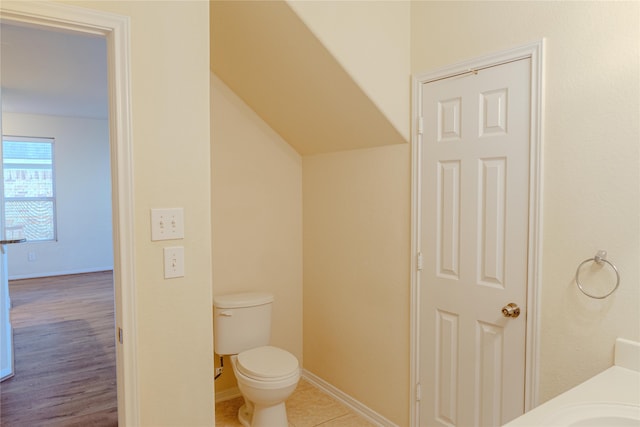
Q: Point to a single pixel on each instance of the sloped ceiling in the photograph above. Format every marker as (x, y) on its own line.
(269, 58)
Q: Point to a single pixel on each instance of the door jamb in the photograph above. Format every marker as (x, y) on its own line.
(535, 52)
(116, 30)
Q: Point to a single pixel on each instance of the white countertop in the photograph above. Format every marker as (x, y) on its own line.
(609, 398)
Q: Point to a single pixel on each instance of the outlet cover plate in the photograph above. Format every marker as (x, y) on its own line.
(173, 262)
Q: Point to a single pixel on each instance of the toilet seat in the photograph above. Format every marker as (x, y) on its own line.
(267, 363)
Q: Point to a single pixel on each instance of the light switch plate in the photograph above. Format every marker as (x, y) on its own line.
(167, 224)
(173, 262)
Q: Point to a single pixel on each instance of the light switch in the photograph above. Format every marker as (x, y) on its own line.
(167, 224)
(173, 262)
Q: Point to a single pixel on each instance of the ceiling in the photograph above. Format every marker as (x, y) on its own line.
(268, 56)
(53, 72)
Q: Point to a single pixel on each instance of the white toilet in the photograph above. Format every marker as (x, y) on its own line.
(266, 375)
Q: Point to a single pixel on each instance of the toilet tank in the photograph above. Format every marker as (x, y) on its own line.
(241, 321)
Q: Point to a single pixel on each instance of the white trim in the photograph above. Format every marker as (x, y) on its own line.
(228, 394)
(534, 278)
(356, 406)
(414, 309)
(534, 51)
(61, 273)
(116, 30)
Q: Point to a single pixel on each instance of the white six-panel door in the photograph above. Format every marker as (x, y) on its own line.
(474, 229)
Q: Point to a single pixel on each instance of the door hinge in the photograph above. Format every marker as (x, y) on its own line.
(420, 125)
(418, 392)
(120, 336)
(420, 261)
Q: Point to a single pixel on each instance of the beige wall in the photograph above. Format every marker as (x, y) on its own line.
(356, 218)
(591, 197)
(171, 143)
(257, 216)
(356, 274)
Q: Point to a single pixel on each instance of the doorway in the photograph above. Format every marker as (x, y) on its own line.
(57, 179)
(116, 31)
(475, 232)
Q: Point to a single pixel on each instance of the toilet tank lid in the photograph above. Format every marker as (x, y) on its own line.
(243, 299)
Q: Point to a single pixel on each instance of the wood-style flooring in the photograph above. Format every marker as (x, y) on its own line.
(64, 346)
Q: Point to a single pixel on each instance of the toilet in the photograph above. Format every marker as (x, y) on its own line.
(266, 375)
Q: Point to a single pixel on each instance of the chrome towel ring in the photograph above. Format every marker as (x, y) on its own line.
(599, 258)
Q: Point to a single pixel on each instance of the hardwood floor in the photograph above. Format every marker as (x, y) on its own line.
(65, 372)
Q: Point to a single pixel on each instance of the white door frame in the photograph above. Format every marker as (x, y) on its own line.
(534, 51)
(116, 30)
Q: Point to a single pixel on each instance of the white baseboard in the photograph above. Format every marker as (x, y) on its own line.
(228, 394)
(347, 400)
(59, 273)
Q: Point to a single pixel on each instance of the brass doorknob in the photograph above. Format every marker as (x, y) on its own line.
(511, 310)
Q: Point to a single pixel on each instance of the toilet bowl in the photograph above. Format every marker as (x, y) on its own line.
(266, 378)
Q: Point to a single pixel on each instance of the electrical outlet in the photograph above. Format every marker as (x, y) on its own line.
(167, 224)
(173, 262)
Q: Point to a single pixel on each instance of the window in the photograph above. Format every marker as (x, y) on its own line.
(29, 188)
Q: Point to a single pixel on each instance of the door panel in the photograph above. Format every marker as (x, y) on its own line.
(474, 239)
(6, 331)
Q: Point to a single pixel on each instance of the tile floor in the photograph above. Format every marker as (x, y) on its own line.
(308, 406)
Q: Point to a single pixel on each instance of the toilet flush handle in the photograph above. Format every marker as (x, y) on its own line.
(226, 313)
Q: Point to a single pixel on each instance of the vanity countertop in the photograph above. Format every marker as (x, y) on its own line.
(610, 398)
